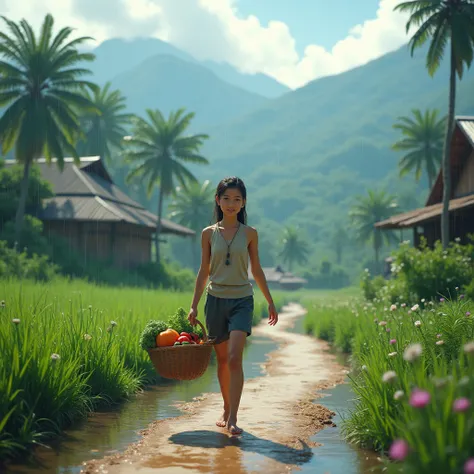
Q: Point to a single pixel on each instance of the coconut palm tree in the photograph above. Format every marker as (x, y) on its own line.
(295, 249)
(366, 212)
(339, 239)
(193, 207)
(157, 149)
(423, 143)
(104, 128)
(41, 87)
(449, 24)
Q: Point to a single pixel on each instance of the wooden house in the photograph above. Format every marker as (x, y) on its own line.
(96, 218)
(426, 221)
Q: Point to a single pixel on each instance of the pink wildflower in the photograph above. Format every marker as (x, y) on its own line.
(419, 398)
(393, 341)
(399, 450)
(461, 405)
(469, 466)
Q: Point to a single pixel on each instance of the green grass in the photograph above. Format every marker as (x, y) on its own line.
(440, 439)
(69, 347)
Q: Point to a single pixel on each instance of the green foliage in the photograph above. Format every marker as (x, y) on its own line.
(166, 275)
(428, 274)
(14, 264)
(149, 333)
(10, 178)
(179, 322)
(326, 276)
(439, 438)
(422, 142)
(371, 285)
(295, 249)
(105, 126)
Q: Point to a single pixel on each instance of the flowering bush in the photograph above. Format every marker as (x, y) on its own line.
(424, 273)
(413, 376)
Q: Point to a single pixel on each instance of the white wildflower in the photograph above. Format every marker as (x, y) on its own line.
(389, 376)
(415, 307)
(413, 352)
(398, 394)
(439, 343)
(469, 347)
(87, 337)
(417, 324)
(55, 356)
(392, 354)
(393, 307)
(15, 321)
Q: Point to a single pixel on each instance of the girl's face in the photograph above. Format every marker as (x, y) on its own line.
(231, 202)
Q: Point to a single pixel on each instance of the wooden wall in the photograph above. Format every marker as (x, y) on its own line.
(465, 184)
(461, 225)
(123, 245)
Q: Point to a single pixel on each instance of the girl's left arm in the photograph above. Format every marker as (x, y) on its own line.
(259, 276)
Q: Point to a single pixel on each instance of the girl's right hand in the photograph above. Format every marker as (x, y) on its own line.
(192, 315)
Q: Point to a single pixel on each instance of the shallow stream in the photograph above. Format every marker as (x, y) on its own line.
(111, 431)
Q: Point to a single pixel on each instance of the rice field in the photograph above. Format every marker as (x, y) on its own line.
(69, 347)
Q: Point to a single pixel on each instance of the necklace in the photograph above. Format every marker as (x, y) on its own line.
(227, 261)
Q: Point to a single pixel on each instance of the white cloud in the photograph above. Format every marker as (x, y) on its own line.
(213, 29)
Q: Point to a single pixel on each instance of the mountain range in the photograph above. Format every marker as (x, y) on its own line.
(303, 153)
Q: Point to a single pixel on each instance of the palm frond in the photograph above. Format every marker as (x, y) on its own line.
(438, 44)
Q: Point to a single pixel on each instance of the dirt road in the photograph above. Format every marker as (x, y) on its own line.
(276, 412)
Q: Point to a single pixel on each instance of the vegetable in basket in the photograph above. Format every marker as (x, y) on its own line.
(149, 333)
(179, 322)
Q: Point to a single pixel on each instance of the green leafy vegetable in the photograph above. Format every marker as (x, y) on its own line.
(149, 333)
(179, 322)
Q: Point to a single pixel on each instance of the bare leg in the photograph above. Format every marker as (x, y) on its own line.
(236, 347)
(223, 374)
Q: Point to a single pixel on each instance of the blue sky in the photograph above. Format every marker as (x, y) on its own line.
(321, 22)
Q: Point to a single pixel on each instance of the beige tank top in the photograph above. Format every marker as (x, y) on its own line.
(229, 281)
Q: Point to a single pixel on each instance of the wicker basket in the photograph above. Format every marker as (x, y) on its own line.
(186, 362)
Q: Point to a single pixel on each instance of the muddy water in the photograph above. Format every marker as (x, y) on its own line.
(108, 432)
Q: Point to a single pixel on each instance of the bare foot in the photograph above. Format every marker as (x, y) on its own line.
(233, 429)
(222, 421)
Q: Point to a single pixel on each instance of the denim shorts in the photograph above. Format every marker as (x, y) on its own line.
(224, 315)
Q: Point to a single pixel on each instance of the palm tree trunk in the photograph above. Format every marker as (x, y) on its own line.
(447, 153)
(20, 212)
(376, 250)
(158, 226)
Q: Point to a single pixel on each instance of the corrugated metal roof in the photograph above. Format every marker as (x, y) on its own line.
(467, 126)
(81, 194)
(418, 216)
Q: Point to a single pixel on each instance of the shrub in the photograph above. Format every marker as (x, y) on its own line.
(424, 273)
(20, 265)
(371, 286)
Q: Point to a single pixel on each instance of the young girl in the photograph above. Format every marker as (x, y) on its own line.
(227, 247)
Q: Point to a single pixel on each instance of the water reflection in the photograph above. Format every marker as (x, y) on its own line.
(111, 431)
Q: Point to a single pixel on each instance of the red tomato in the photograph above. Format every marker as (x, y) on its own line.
(184, 339)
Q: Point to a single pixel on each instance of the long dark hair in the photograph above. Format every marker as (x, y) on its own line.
(222, 187)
